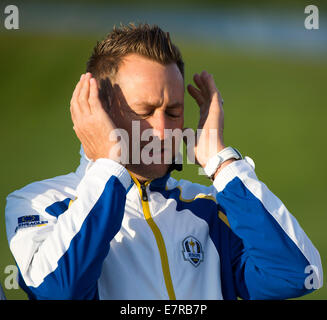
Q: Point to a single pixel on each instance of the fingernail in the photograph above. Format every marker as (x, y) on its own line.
(82, 76)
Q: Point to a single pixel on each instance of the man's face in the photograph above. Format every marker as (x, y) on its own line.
(152, 96)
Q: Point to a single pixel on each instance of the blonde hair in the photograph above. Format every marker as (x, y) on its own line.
(143, 39)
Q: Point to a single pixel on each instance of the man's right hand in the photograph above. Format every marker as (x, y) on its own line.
(92, 124)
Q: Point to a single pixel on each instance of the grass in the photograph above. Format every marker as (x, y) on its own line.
(274, 112)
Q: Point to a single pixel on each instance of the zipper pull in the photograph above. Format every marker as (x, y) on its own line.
(144, 194)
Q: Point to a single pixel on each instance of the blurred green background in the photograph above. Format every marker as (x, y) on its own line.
(275, 96)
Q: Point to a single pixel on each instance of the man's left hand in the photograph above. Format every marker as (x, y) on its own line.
(210, 102)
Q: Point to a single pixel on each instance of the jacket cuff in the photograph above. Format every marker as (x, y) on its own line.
(235, 169)
(111, 168)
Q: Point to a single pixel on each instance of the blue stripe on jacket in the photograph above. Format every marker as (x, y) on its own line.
(258, 259)
(270, 265)
(80, 267)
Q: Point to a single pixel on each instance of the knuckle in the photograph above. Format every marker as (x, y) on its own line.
(92, 100)
(82, 99)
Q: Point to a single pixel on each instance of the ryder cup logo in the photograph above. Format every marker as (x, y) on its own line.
(192, 251)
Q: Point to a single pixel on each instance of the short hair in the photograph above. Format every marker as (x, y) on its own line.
(148, 41)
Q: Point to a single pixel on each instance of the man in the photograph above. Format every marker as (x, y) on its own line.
(126, 230)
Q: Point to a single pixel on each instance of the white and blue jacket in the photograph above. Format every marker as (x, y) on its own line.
(98, 234)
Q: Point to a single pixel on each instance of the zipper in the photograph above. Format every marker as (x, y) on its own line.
(158, 236)
(144, 194)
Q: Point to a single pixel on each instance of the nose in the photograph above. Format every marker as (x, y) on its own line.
(159, 124)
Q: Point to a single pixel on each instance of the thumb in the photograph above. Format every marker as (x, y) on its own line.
(190, 142)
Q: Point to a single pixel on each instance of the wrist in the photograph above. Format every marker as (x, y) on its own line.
(222, 159)
(203, 161)
(225, 164)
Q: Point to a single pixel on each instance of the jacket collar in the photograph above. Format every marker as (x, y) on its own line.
(83, 164)
(156, 184)
(160, 183)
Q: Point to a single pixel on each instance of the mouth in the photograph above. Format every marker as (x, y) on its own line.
(156, 156)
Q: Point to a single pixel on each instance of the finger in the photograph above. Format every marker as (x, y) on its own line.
(196, 94)
(77, 89)
(73, 100)
(220, 99)
(76, 117)
(198, 81)
(74, 104)
(83, 98)
(94, 101)
(189, 144)
(72, 113)
(209, 83)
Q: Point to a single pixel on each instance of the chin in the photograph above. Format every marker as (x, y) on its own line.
(149, 172)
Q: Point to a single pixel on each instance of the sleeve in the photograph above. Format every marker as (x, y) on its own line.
(63, 259)
(2, 294)
(274, 256)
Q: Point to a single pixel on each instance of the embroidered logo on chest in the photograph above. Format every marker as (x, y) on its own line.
(192, 250)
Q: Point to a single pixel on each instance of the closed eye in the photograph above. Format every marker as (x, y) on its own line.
(145, 115)
(173, 113)
(174, 110)
(141, 114)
